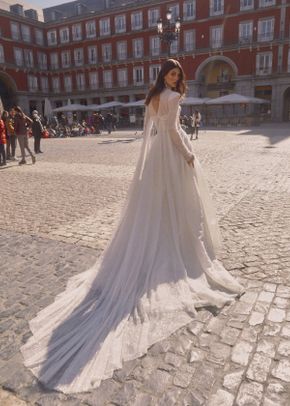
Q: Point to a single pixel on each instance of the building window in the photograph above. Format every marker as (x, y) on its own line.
(264, 63)
(2, 56)
(105, 26)
(120, 24)
(18, 56)
(107, 52)
(39, 39)
(92, 55)
(64, 35)
(65, 59)
(76, 32)
(51, 37)
(122, 77)
(32, 83)
(267, 3)
(67, 83)
(53, 60)
(246, 4)
(288, 65)
(122, 50)
(138, 75)
(174, 47)
(42, 60)
(94, 80)
(246, 32)
(15, 32)
(155, 46)
(138, 48)
(189, 40)
(44, 84)
(216, 36)
(174, 11)
(266, 29)
(153, 16)
(79, 56)
(80, 79)
(216, 7)
(137, 20)
(25, 33)
(56, 84)
(107, 79)
(189, 10)
(153, 72)
(28, 58)
(91, 29)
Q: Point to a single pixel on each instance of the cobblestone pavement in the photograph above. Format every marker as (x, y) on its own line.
(58, 215)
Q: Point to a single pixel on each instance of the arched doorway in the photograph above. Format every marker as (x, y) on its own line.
(216, 76)
(286, 105)
(7, 90)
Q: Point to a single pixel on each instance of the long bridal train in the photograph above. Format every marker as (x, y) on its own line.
(158, 269)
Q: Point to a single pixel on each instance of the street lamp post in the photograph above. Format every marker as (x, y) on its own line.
(169, 31)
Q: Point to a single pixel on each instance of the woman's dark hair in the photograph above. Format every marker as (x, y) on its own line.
(159, 85)
(4, 115)
(18, 109)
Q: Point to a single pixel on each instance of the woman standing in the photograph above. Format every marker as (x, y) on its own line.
(21, 122)
(159, 267)
(2, 139)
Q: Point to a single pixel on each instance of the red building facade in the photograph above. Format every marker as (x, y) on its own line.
(225, 46)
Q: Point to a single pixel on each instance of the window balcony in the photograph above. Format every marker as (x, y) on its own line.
(264, 71)
(266, 36)
(245, 39)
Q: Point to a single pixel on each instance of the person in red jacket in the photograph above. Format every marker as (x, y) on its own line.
(2, 142)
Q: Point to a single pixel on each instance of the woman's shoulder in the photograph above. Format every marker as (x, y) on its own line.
(171, 94)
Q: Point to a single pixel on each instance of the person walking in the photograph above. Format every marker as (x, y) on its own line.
(2, 140)
(158, 269)
(37, 130)
(196, 119)
(11, 137)
(21, 122)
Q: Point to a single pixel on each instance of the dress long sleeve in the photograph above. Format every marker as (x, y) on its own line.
(174, 133)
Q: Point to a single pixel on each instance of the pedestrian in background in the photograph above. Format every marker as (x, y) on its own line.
(2, 141)
(11, 137)
(196, 119)
(37, 130)
(21, 124)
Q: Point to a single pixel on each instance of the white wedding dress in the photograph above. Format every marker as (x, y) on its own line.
(159, 267)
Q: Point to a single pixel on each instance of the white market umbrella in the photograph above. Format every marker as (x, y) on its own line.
(92, 107)
(138, 103)
(71, 107)
(110, 105)
(233, 98)
(193, 101)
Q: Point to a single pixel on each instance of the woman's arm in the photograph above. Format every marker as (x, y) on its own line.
(173, 116)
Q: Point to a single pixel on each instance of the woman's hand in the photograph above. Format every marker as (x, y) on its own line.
(191, 161)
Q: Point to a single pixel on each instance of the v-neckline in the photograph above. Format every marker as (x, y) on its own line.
(157, 110)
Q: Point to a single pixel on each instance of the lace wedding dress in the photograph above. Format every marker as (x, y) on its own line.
(159, 267)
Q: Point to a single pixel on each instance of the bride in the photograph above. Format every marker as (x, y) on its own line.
(159, 267)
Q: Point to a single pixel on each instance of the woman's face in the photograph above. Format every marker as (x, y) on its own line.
(172, 77)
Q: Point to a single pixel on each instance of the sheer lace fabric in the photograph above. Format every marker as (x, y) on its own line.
(159, 267)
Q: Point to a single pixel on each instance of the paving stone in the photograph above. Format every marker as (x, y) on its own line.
(272, 329)
(286, 331)
(233, 380)
(195, 327)
(182, 379)
(259, 368)
(229, 335)
(196, 355)
(266, 297)
(241, 352)
(276, 315)
(282, 370)
(267, 347)
(221, 398)
(250, 393)
(158, 382)
(256, 318)
(284, 348)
